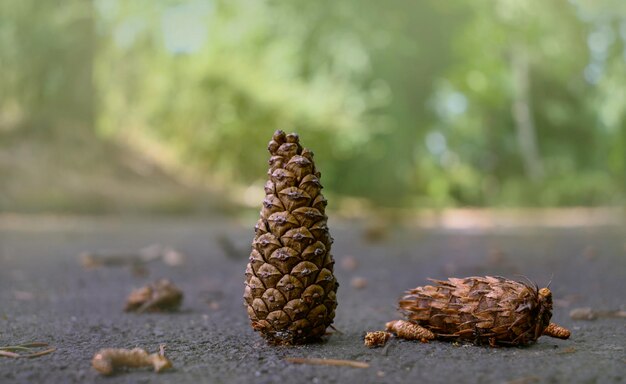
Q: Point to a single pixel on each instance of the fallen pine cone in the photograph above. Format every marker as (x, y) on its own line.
(108, 360)
(161, 295)
(491, 310)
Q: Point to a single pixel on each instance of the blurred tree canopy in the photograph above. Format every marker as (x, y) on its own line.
(418, 104)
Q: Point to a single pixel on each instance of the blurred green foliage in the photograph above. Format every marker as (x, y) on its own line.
(418, 104)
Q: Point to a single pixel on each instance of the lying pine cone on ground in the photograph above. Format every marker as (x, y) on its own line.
(483, 310)
(290, 288)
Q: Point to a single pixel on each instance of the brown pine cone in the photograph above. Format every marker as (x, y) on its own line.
(290, 288)
(483, 310)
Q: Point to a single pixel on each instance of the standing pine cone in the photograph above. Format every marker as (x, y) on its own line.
(290, 288)
(487, 309)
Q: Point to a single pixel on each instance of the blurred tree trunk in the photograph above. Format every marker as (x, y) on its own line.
(523, 115)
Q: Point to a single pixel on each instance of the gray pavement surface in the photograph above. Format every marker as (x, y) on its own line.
(47, 295)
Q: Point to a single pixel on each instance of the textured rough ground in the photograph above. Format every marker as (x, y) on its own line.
(46, 295)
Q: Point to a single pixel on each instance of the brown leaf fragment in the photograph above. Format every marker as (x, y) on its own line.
(333, 362)
(108, 360)
(376, 339)
(410, 331)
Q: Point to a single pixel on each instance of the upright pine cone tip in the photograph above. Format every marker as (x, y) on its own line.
(290, 288)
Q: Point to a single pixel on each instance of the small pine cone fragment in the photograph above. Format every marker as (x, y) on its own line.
(555, 330)
(376, 339)
(290, 287)
(484, 310)
(410, 331)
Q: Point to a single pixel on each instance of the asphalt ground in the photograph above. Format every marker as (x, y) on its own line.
(46, 295)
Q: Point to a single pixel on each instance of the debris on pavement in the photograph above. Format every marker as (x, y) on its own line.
(108, 360)
(153, 252)
(567, 350)
(358, 282)
(376, 339)
(333, 362)
(587, 313)
(28, 350)
(162, 295)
